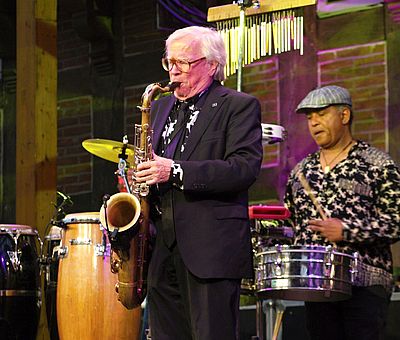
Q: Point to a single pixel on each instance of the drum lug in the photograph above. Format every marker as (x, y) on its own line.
(63, 252)
(278, 261)
(14, 258)
(328, 260)
(354, 267)
(102, 250)
(278, 266)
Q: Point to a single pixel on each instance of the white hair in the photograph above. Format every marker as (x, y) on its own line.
(211, 45)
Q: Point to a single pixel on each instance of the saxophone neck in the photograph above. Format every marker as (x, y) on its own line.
(153, 89)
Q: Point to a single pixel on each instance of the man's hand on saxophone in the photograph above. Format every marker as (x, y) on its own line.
(155, 171)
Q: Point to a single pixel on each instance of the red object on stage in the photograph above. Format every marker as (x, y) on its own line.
(268, 212)
(121, 184)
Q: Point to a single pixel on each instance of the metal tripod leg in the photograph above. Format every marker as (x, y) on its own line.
(273, 310)
(259, 321)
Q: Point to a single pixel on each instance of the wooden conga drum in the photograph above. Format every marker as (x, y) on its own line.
(87, 305)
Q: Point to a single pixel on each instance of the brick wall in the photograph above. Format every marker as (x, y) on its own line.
(260, 79)
(74, 163)
(132, 115)
(140, 28)
(72, 51)
(361, 69)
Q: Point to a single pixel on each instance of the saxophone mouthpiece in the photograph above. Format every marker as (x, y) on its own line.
(173, 85)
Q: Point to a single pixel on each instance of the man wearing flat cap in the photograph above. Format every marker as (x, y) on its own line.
(354, 208)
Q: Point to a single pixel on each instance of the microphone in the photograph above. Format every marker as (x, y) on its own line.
(66, 198)
(106, 197)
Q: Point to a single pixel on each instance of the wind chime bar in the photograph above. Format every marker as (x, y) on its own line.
(264, 35)
(265, 6)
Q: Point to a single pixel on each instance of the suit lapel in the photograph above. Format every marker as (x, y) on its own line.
(209, 110)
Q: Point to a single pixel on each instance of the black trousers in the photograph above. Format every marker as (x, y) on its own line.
(361, 317)
(183, 306)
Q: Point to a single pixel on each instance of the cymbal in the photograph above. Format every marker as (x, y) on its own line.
(108, 149)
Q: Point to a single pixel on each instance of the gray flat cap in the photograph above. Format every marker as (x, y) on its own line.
(324, 97)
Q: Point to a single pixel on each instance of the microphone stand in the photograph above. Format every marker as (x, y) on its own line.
(122, 164)
(120, 172)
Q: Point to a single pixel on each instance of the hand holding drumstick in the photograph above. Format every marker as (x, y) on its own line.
(330, 228)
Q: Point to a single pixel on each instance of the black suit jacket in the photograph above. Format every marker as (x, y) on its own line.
(222, 158)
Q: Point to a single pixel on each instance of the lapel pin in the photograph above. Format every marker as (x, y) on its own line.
(214, 104)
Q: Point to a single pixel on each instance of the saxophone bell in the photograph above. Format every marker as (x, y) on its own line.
(121, 212)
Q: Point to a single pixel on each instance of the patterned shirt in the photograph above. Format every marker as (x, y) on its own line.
(191, 113)
(363, 191)
(172, 124)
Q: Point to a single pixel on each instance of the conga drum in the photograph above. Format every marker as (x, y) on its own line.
(87, 304)
(20, 297)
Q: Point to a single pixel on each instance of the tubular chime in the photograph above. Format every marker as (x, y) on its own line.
(265, 34)
(271, 27)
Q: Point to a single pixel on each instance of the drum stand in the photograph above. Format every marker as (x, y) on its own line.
(273, 310)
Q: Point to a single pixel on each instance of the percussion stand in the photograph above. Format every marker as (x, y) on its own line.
(122, 163)
(273, 310)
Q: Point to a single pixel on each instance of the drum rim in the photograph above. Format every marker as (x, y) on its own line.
(335, 294)
(302, 277)
(300, 249)
(82, 217)
(52, 238)
(20, 228)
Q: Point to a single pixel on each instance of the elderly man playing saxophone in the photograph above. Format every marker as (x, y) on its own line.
(208, 151)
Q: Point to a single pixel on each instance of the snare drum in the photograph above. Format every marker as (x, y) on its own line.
(87, 304)
(303, 273)
(20, 297)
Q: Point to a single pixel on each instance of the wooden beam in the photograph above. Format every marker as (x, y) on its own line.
(36, 143)
(36, 118)
(232, 11)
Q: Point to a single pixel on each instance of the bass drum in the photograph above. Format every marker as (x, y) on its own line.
(20, 298)
(304, 273)
(87, 305)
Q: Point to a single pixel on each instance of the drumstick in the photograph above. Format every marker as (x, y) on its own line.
(307, 188)
(277, 326)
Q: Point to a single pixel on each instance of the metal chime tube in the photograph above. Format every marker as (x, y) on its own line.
(241, 49)
(249, 38)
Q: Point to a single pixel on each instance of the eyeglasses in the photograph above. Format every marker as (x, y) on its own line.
(181, 64)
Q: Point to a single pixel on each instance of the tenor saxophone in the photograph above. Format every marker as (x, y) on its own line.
(126, 215)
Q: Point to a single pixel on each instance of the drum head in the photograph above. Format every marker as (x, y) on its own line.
(83, 217)
(55, 233)
(17, 228)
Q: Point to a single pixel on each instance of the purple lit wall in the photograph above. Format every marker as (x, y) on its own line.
(362, 70)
